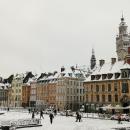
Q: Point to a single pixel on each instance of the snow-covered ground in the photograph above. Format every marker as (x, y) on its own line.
(65, 123)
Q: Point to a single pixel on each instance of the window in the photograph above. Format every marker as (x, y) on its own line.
(97, 88)
(124, 74)
(115, 87)
(103, 87)
(91, 87)
(68, 90)
(125, 87)
(103, 98)
(109, 87)
(86, 89)
(104, 76)
(92, 77)
(71, 90)
(91, 98)
(109, 98)
(80, 91)
(97, 97)
(86, 98)
(117, 75)
(80, 98)
(110, 76)
(116, 98)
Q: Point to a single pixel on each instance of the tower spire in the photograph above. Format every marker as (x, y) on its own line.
(122, 18)
(93, 59)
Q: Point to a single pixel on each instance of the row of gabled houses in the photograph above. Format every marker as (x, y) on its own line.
(74, 88)
(63, 90)
(109, 83)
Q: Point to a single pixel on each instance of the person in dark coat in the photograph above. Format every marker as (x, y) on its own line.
(66, 113)
(77, 116)
(33, 115)
(51, 117)
(8, 109)
(55, 112)
(41, 114)
(29, 110)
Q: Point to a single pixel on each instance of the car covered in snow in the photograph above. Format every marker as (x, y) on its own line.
(48, 111)
(67, 113)
(124, 117)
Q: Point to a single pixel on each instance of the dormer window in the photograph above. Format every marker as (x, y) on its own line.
(104, 76)
(117, 75)
(124, 74)
(70, 74)
(92, 77)
(62, 74)
(98, 77)
(110, 76)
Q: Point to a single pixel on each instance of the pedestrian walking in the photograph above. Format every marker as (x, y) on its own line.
(77, 116)
(8, 109)
(29, 110)
(66, 113)
(80, 117)
(41, 114)
(55, 112)
(33, 115)
(51, 117)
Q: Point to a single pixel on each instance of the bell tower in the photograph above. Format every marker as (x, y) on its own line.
(122, 40)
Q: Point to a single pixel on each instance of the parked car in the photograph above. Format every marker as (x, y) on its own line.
(48, 111)
(114, 117)
(124, 117)
(70, 113)
(67, 112)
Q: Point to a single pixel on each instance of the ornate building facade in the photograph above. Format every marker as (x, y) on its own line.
(109, 83)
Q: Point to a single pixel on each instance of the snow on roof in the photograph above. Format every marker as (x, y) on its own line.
(66, 73)
(3, 86)
(108, 68)
(126, 66)
(76, 73)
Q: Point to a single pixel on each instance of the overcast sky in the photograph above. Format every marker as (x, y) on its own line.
(43, 35)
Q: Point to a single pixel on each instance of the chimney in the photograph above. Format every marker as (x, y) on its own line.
(101, 62)
(62, 69)
(113, 60)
